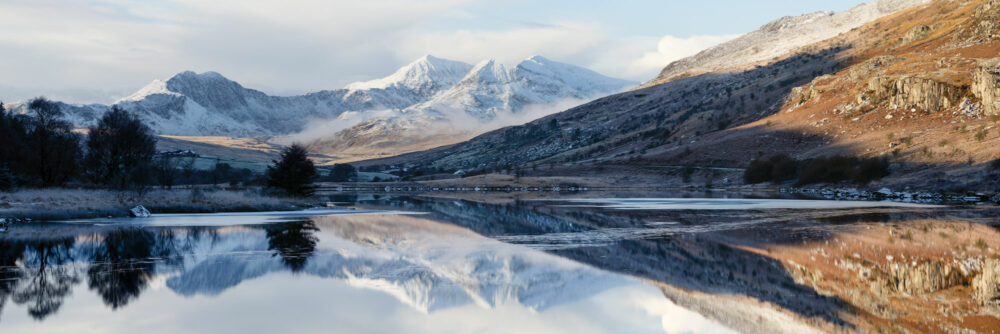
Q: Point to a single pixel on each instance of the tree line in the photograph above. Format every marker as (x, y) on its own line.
(41, 149)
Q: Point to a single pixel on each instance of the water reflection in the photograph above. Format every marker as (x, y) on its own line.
(293, 242)
(545, 258)
(425, 266)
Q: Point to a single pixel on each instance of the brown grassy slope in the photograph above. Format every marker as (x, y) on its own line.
(894, 87)
(899, 95)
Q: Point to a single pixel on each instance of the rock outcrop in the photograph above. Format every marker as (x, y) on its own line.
(919, 278)
(986, 286)
(986, 85)
(917, 91)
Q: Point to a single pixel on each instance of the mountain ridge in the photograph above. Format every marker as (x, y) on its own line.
(209, 104)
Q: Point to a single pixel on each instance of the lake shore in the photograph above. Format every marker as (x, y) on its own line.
(57, 203)
(644, 183)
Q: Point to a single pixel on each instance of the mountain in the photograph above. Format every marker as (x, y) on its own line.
(778, 38)
(490, 95)
(411, 84)
(918, 87)
(427, 103)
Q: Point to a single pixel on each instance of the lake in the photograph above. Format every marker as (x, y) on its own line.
(504, 263)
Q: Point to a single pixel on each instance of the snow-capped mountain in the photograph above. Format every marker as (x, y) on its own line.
(489, 96)
(429, 89)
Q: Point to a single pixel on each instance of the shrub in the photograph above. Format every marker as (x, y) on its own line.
(784, 168)
(778, 168)
(839, 168)
(981, 135)
(343, 173)
(759, 171)
(871, 169)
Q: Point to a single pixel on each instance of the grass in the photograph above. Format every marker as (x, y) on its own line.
(52, 204)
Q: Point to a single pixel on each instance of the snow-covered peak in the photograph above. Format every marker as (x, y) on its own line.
(425, 73)
(487, 72)
(153, 88)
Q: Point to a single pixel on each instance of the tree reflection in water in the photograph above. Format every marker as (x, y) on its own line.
(123, 264)
(10, 252)
(45, 280)
(293, 241)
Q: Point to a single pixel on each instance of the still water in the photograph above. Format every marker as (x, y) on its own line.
(390, 264)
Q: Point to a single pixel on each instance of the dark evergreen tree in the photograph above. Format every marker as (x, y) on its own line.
(120, 150)
(13, 152)
(343, 173)
(294, 174)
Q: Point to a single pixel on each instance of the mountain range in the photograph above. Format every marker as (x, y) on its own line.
(425, 101)
(917, 86)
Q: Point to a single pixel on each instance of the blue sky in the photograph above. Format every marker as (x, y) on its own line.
(86, 51)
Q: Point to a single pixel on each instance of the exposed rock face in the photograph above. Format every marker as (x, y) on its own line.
(921, 278)
(916, 33)
(986, 286)
(924, 93)
(986, 85)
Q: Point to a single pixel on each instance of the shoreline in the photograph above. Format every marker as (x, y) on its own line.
(831, 193)
(63, 204)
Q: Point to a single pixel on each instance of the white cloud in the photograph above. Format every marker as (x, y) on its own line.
(670, 48)
(92, 51)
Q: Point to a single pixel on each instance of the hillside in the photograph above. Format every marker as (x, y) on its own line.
(917, 86)
(777, 38)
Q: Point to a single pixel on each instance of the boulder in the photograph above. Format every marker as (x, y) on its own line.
(139, 212)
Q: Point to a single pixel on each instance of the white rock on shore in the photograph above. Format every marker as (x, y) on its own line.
(139, 212)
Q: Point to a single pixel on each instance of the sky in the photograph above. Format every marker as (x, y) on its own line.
(97, 51)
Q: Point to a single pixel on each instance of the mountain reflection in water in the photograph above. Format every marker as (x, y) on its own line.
(580, 266)
(426, 267)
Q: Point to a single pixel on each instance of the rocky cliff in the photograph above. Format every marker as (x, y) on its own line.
(986, 85)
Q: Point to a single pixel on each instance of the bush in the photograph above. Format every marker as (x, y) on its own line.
(294, 174)
(759, 171)
(839, 169)
(833, 169)
(871, 169)
(343, 173)
(784, 168)
(778, 168)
